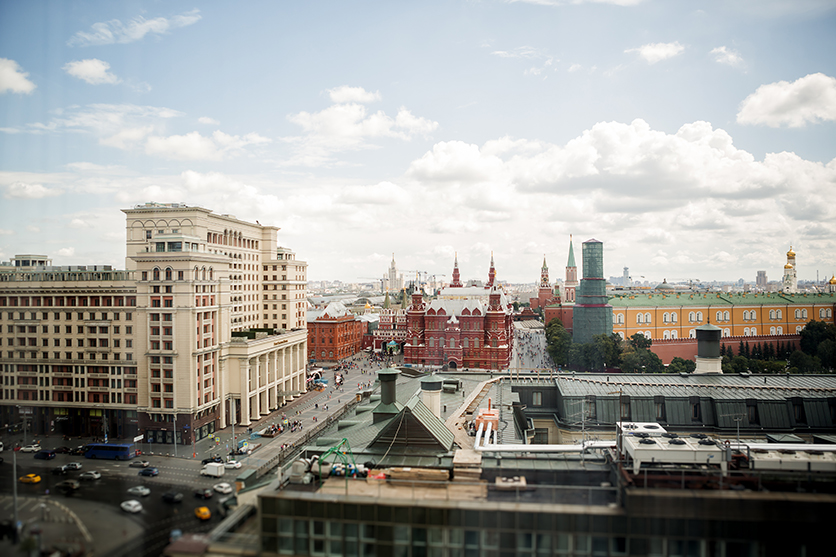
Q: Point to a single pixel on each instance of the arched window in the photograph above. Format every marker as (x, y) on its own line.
(441, 343)
(772, 330)
(803, 314)
(746, 315)
(211, 273)
(673, 334)
(829, 312)
(725, 316)
(156, 274)
(640, 318)
(726, 332)
(432, 342)
(647, 334)
(699, 316)
(168, 273)
(673, 317)
(620, 319)
(821, 313)
(798, 314)
(780, 330)
(203, 277)
(666, 335)
(778, 314)
(798, 328)
(465, 344)
(665, 317)
(691, 316)
(746, 331)
(772, 314)
(647, 318)
(692, 333)
(719, 316)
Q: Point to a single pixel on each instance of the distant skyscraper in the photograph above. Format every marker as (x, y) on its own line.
(592, 315)
(761, 280)
(392, 280)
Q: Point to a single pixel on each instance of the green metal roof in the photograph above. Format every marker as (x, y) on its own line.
(571, 262)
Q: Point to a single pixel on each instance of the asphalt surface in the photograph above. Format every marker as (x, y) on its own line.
(96, 504)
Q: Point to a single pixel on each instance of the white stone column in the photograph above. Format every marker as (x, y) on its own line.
(245, 392)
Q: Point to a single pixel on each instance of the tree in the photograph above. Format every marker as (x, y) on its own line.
(386, 302)
(639, 341)
(827, 354)
(516, 306)
(814, 333)
(746, 351)
(641, 361)
(558, 341)
(679, 365)
(740, 364)
(740, 349)
(608, 348)
(803, 362)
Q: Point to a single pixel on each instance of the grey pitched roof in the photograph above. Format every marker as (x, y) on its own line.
(415, 426)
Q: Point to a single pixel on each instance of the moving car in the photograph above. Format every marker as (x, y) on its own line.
(215, 458)
(203, 493)
(90, 475)
(30, 448)
(73, 466)
(203, 513)
(30, 479)
(79, 451)
(140, 490)
(234, 464)
(139, 464)
(172, 496)
(131, 506)
(62, 450)
(60, 470)
(45, 454)
(149, 472)
(222, 487)
(67, 486)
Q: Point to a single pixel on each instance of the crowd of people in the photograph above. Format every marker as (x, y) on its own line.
(530, 347)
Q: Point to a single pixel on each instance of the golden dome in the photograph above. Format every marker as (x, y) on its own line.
(833, 279)
(787, 266)
(790, 253)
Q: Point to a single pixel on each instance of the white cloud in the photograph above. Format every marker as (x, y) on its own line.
(526, 52)
(349, 126)
(346, 94)
(80, 224)
(656, 52)
(66, 252)
(114, 31)
(13, 78)
(4, 232)
(809, 99)
(207, 120)
(22, 190)
(575, 67)
(92, 70)
(723, 55)
(191, 146)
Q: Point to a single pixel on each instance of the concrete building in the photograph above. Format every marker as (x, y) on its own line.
(182, 342)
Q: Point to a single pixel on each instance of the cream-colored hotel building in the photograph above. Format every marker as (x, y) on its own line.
(205, 327)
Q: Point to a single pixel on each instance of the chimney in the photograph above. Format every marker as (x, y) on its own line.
(431, 394)
(388, 406)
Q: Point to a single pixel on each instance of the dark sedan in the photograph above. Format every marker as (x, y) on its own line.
(172, 497)
(203, 493)
(149, 472)
(215, 458)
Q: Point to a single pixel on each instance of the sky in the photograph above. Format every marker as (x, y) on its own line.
(696, 140)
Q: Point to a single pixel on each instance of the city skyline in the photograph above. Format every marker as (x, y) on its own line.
(693, 143)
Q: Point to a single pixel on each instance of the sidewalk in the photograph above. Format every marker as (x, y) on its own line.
(48, 522)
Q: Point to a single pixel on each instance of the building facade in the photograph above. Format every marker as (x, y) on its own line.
(591, 314)
(466, 326)
(333, 333)
(179, 344)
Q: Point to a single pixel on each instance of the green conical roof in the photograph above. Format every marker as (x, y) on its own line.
(571, 262)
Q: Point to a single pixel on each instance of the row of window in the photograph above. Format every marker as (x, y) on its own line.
(168, 274)
(117, 356)
(68, 301)
(721, 316)
(68, 316)
(58, 396)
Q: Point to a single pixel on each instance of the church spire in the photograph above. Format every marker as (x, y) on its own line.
(571, 262)
(544, 274)
(457, 281)
(491, 274)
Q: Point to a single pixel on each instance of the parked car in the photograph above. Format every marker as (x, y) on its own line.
(90, 475)
(131, 506)
(139, 464)
(172, 496)
(30, 448)
(60, 470)
(140, 490)
(203, 493)
(149, 472)
(222, 487)
(45, 454)
(30, 479)
(234, 464)
(73, 466)
(215, 458)
(203, 513)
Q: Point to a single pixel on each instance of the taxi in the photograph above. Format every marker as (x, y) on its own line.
(30, 479)
(203, 513)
